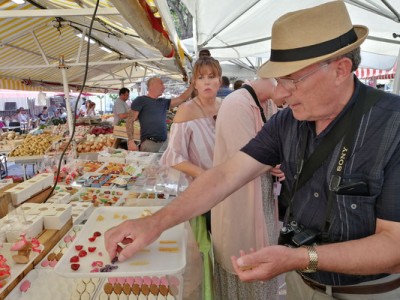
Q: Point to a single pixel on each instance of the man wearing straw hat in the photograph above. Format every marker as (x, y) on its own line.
(339, 145)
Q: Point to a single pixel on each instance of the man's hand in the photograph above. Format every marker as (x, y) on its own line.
(277, 172)
(267, 262)
(126, 239)
(132, 146)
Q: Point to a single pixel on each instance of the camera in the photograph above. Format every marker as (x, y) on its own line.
(295, 235)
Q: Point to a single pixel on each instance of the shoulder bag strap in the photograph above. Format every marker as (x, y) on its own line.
(253, 94)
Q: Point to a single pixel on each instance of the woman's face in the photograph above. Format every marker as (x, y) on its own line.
(207, 83)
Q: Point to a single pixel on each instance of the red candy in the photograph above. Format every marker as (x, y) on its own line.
(96, 233)
(74, 259)
(75, 267)
(92, 249)
(82, 253)
(78, 247)
(92, 239)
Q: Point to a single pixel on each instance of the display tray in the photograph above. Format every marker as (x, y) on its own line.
(110, 181)
(15, 269)
(167, 255)
(99, 196)
(47, 285)
(134, 198)
(89, 165)
(119, 169)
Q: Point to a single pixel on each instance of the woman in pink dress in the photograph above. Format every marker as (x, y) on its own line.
(191, 143)
(192, 137)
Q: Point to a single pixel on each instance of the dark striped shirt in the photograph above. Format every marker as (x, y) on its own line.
(375, 159)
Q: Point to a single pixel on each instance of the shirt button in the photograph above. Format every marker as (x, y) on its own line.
(316, 195)
(353, 206)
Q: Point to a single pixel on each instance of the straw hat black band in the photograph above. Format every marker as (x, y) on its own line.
(314, 51)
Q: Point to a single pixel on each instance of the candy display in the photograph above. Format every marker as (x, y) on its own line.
(4, 271)
(161, 257)
(24, 247)
(58, 251)
(146, 287)
(99, 197)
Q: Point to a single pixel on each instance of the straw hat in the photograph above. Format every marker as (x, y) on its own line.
(304, 37)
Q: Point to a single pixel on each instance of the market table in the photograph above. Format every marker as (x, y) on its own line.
(32, 160)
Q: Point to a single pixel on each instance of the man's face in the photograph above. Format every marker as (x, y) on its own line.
(157, 87)
(309, 92)
(125, 96)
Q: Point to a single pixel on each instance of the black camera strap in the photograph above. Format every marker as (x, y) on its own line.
(305, 169)
(253, 94)
(346, 150)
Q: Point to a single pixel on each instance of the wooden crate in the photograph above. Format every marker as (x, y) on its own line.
(48, 238)
(120, 131)
(5, 199)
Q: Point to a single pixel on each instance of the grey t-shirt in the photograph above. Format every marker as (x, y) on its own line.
(120, 107)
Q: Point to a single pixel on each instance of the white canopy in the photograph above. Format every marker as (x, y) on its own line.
(237, 29)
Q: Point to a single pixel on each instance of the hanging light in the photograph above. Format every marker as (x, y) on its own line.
(18, 1)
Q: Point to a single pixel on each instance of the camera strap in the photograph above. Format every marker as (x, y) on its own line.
(346, 149)
(306, 168)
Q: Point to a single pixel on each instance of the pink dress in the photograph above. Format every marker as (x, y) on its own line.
(192, 141)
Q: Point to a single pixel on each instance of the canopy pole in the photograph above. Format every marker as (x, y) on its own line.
(70, 114)
(396, 82)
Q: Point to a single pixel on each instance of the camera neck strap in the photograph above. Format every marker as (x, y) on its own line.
(253, 94)
(347, 126)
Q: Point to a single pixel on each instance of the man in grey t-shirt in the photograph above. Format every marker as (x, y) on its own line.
(121, 109)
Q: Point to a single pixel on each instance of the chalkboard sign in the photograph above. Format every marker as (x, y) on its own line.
(10, 106)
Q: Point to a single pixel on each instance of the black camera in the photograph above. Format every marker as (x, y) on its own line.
(295, 235)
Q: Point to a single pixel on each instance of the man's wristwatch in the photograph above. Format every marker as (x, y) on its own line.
(313, 260)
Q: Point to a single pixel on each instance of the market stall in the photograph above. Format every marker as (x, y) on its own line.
(68, 229)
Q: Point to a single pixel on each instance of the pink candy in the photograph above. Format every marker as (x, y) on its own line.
(164, 281)
(53, 263)
(67, 238)
(121, 280)
(138, 280)
(25, 286)
(155, 280)
(130, 280)
(173, 280)
(147, 280)
(45, 263)
(112, 280)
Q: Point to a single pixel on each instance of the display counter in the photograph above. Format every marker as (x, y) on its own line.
(138, 182)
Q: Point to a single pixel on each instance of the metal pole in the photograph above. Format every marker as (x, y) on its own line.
(70, 113)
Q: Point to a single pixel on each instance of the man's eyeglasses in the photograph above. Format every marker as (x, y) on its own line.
(290, 84)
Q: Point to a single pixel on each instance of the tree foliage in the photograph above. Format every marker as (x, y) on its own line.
(182, 18)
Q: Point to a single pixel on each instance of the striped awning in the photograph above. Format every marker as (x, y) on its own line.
(364, 73)
(12, 84)
(39, 39)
